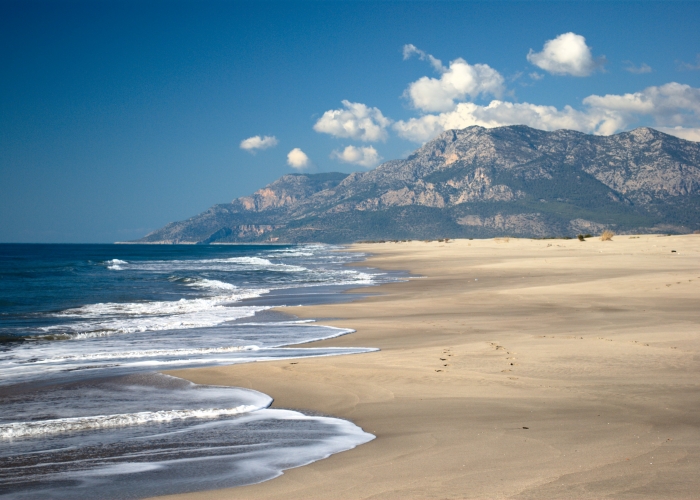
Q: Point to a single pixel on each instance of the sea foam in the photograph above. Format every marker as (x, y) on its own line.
(46, 427)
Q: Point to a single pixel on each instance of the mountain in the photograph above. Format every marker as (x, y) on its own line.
(474, 182)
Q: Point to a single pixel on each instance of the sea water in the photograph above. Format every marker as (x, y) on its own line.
(85, 330)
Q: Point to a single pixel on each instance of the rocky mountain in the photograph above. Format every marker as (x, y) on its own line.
(474, 182)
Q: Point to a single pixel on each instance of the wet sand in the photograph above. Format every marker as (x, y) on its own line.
(511, 369)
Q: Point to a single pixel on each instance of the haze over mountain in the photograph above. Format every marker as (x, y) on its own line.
(474, 182)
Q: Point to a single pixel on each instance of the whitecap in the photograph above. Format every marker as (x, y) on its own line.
(105, 319)
(116, 264)
(212, 284)
(149, 353)
(158, 308)
(73, 424)
(223, 264)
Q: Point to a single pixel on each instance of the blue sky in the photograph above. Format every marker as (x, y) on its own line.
(118, 117)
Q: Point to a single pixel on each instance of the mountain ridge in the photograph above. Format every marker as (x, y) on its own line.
(474, 182)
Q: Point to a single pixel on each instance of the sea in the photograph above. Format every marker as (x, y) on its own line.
(85, 331)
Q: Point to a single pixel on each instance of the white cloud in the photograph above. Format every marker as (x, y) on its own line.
(536, 76)
(365, 156)
(410, 49)
(457, 82)
(297, 159)
(256, 142)
(567, 54)
(671, 105)
(498, 114)
(690, 134)
(355, 121)
(637, 70)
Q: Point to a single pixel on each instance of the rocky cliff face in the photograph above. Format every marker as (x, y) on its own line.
(475, 182)
(288, 190)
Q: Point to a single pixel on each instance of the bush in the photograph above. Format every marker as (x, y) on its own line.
(581, 237)
(607, 236)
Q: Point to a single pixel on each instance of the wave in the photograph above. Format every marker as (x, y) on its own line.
(247, 260)
(116, 264)
(291, 253)
(208, 284)
(149, 353)
(158, 308)
(86, 330)
(317, 277)
(73, 424)
(104, 319)
(259, 262)
(223, 264)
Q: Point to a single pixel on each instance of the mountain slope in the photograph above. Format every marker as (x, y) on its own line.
(474, 182)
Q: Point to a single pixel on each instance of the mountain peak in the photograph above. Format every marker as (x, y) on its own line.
(646, 134)
(475, 182)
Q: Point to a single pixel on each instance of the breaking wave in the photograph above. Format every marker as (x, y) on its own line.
(150, 353)
(99, 320)
(208, 284)
(116, 264)
(46, 427)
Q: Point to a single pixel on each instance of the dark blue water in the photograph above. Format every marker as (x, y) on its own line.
(84, 330)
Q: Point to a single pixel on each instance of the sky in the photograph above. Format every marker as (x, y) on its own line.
(119, 117)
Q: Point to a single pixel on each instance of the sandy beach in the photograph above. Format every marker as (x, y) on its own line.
(511, 368)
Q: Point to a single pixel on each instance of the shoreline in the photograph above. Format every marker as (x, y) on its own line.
(569, 366)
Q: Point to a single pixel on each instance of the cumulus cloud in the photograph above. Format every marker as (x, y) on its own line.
(674, 107)
(567, 54)
(672, 104)
(637, 70)
(256, 142)
(498, 114)
(365, 156)
(456, 82)
(354, 121)
(297, 159)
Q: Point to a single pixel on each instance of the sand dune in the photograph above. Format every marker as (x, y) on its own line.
(511, 369)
